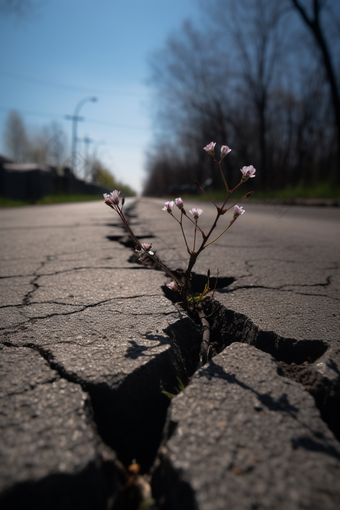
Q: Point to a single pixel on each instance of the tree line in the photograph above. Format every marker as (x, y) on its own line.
(261, 76)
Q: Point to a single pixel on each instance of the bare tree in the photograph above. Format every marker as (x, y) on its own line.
(217, 83)
(245, 80)
(191, 79)
(313, 22)
(15, 137)
(300, 138)
(255, 30)
(47, 145)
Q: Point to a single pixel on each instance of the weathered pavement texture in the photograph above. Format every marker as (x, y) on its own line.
(89, 340)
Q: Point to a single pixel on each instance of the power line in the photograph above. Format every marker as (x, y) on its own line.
(28, 112)
(58, 115)
(113, 124)
(65, 86)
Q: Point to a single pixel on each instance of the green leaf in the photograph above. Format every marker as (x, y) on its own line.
(181, 386)
(168, 394)
(145, 505)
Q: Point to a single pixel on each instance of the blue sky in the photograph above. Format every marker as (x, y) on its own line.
(67, 50)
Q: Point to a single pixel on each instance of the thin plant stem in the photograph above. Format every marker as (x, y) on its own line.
(237, 202)
(194, 222)
(230, 224)
(206, 194)
(185, 239)
(231, 191)
(220, 168)
(137, 243)
(228, 195)
(174, 217)
(219, 212)
(224, 211)
(195, 238)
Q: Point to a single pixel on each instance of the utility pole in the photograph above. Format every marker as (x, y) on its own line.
(87, 142)
(75, 118)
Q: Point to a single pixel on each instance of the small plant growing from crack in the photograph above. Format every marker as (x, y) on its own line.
(179, 388)
(201, 240)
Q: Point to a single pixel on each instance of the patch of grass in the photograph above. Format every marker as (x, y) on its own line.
(52, 199)
(8, 202)
(320, 190)
(57, 199)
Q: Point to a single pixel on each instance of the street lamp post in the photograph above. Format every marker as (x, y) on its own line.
(75, 117)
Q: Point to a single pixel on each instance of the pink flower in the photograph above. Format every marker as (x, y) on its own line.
(147, 247)
(112, 198)
(248, 172)
(144, 253)
(224, 151)
(173, 286)
(179, 203)
(168, 207)
(210, 148)
(196, 213)
(238, 211)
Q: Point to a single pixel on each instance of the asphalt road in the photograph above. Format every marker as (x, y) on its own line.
(88, 340)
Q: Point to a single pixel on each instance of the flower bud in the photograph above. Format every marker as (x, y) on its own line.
(179, 203)
(107, 200)
(196, 213)
(168, 207)
(210, 148)
(147, 246)
(112, 198)
(145, 251)
(247, 172)
(173, 286)
(238, 211)
(224, 151)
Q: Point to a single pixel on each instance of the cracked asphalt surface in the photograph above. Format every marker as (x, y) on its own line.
(85, 354)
